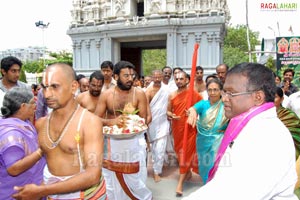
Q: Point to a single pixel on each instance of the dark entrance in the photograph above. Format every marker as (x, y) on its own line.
(132, 51)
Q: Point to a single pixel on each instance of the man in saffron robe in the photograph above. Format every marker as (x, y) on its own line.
(177, 106)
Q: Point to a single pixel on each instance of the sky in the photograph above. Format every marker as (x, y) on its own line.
(18, 17)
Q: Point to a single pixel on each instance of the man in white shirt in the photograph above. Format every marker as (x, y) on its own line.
(11, 70)
(107, 68)
(293, 102)
(256, 158)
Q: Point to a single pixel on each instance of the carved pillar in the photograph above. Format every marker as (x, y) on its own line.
(88, 53)
(210, 52)
(74, 54)
(79, 54)
(171, 48)
(198, 37)
(98, 47)
(221, 52)
(217, 39)
(184, 40)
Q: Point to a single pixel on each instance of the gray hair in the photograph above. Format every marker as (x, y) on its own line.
(13, 100)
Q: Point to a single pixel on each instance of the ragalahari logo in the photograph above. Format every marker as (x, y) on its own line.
(278, 6)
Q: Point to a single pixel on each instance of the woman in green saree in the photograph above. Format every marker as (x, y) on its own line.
(211, 125)
(289, 118)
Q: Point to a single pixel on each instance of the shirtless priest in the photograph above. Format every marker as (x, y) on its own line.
(122, 156)
(73, 149)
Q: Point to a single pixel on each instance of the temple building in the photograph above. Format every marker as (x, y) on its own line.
(120, 29)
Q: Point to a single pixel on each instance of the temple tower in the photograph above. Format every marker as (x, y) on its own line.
(120, 29)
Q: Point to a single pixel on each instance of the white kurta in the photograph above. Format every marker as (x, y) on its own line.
(159, 126)
(125, 150)
(260, 165)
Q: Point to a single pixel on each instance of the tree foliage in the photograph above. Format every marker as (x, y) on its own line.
(39, 65)
(63, 57)
(34, 66)
(271, 64)
(235, 45)
(22, 76)
(153, 59)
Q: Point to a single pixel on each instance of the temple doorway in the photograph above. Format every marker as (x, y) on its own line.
(133, 52)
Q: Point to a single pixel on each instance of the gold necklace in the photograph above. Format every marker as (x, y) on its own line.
(64, 130)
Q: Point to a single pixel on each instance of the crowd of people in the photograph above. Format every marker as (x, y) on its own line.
(239, 134)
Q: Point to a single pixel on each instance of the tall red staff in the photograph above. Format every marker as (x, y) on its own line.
(190, 97)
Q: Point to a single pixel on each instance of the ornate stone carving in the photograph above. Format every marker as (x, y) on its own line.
(135, 20)
(87, 44)
(214, 4)
(184, 38)
(191, 4)
(155, 6)
(98, 43)
(203, 4)
(198, 37)
(209, 36)
(74, 45)
(119, 6)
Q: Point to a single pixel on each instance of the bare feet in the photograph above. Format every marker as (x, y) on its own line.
(157, 178)
(179, 190)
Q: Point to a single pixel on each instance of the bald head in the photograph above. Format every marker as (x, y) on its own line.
(59, 85)
(222, 71)
(63, 69)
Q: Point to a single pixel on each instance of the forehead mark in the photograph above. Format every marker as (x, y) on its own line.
(179, 75)
(49, 75)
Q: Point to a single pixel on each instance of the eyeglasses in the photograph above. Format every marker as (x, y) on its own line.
(213, 90)
(230, 95)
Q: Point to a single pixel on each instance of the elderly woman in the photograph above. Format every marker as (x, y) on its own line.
(211, 125)
(20, 155)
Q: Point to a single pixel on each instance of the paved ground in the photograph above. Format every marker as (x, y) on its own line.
(165, 189)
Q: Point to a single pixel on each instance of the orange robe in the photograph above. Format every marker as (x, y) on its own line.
(179, 106)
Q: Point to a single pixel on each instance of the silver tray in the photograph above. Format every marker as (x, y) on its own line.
(124, 135)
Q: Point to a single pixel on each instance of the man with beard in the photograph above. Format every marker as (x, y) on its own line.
(10, 70)
(158, 131)
(107, 70)
(167, 74)
(221, 70)
(177, 106)
(122, 156)
(89, 99)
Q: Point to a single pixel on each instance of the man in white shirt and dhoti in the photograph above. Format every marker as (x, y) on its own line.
(157, 95)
